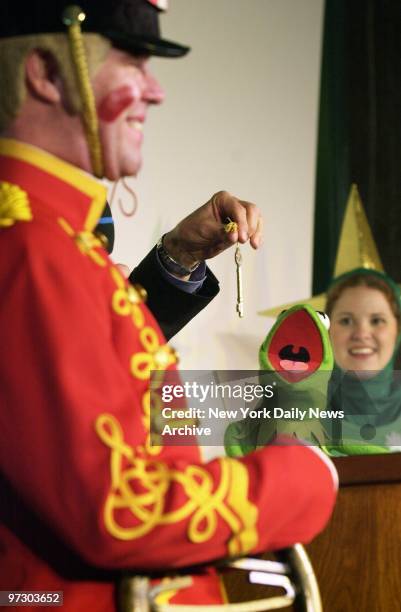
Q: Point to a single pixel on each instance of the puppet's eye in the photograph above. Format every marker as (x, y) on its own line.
(324, 318)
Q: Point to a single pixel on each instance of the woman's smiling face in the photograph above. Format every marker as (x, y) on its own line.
(363, 329)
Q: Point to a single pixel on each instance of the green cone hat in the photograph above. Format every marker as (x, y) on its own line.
(356, 249)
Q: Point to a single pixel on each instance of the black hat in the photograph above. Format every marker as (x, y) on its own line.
(131, 25)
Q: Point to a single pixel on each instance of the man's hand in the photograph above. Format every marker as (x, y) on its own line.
(201, 235)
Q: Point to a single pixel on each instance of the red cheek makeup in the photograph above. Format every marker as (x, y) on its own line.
(114, 103)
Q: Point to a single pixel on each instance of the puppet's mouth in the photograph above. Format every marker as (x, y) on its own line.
(296, 348)
(292, 360)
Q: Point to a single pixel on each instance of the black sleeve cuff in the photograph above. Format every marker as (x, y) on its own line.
(171, 307)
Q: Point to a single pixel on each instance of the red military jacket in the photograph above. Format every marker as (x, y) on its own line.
(83, 493)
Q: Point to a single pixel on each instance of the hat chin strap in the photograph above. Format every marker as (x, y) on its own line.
(73, 16)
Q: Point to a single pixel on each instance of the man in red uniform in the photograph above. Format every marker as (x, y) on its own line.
(84, 495)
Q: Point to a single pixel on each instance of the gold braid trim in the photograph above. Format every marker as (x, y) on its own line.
(141, 488)
(86, 242)
(156, 357)
(73, 16)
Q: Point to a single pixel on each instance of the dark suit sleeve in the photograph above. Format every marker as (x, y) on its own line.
(171, 307)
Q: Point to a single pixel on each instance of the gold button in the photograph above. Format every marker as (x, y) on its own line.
(103, 239)
(142, 292)
(73, 15)
(165, 356)
(161, 357)
(85, 239)
(133, 295)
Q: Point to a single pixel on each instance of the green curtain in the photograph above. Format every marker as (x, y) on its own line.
(359, 136)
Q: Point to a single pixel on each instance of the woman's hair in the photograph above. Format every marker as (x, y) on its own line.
(364, 280)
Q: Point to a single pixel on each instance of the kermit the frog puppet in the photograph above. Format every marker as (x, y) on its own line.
(298, 360)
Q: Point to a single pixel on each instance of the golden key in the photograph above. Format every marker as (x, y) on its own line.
(240, 295)
(231, 226)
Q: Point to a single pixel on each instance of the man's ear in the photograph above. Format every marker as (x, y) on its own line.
(42, 76)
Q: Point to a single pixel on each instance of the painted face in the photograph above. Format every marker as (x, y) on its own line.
(363, 330)
(123, 88)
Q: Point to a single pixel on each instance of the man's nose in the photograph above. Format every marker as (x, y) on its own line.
(153, 91)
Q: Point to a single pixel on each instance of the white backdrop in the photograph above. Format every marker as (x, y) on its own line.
(241, 115)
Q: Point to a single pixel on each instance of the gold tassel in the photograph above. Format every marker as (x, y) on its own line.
(73, 17)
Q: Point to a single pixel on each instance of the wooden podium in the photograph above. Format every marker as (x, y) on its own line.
(357, 559)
